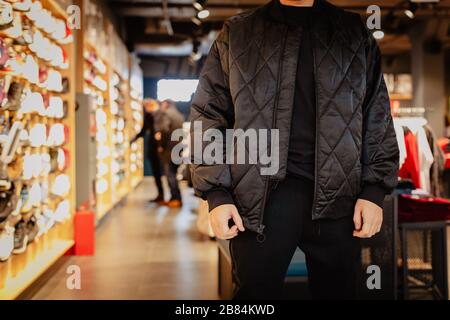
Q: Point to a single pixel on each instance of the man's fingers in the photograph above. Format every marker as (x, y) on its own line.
(220, 222)
(233, 229)
(368, 217)
(229, 232)
(224, 229)
(230, 237)
(365, 231)
(379, 225)
(238, 221)
(376, 225)
(357, 219)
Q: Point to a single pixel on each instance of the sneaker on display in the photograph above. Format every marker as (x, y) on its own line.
(61, 185)
(45, 221)
(9, 147)
(5, 83)
(14, 96)
(22, 5)
(20, 238)
(25, 199)
(35, 194)
(15, 31)
(46, 164)
(34, 11)
(27, 173)
(31, 69)
(32, 229)
(62, 211)
(8, 202)
(44, 192)
(54, 81)
(38, 135)
(15, 168)
(55, 108)
(6, 243)
(6, 14)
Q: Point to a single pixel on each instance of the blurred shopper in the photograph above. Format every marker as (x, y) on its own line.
(313, 72)
(168, 119)
(148, 130)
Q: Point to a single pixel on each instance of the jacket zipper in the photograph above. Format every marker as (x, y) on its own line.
(261, 237)
(317, 138)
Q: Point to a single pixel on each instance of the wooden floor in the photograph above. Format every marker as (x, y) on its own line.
(143, 252)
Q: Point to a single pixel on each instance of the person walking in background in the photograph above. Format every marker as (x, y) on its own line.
(168, 119)
(148, 129)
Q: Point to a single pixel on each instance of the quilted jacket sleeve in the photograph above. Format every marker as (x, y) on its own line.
(380, 155)
(213, 109)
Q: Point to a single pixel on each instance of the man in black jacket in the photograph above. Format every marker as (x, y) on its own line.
(148, 129)
(313, 72)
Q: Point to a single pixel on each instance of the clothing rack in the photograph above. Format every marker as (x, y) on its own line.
(419, 241)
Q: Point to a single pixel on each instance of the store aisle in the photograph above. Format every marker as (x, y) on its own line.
(143, 252)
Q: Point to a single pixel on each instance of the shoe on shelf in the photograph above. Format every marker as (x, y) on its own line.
(6, 243)
(174, 203)
(20, 238)
(32, 229)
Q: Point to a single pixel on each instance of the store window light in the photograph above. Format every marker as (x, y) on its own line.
(176, 89)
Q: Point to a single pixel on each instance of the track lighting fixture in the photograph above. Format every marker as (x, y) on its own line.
(410, 12)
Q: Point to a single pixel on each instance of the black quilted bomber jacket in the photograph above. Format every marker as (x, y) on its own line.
(248, 81)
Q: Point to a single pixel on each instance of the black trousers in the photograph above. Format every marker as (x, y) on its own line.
(170, 169)
(155, 163)
(332, 253)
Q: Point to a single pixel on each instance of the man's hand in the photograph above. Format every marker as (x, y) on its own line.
(219, 221)
(368, 218)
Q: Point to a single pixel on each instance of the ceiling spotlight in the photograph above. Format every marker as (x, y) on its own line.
(196, 21)
(411, 11)
(203, 14)
(198, 6)
(379, 34)
(196, 54)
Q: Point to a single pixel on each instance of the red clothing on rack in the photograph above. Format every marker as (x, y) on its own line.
(412, 209)
(411, 167)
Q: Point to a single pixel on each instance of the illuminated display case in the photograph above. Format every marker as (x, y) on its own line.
(36, 119)
(107, 78)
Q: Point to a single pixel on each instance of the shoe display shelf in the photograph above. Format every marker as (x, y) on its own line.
(92, 45)
(135, 123)
(38, 180)
(96, 83)
(120, 136)
(106, 73)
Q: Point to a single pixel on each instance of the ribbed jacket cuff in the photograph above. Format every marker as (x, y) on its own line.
(218, 197)
(373, 193)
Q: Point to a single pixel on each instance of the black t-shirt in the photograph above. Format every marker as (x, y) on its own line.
(301, 157)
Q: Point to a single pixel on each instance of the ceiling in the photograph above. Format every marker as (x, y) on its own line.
(165, 27)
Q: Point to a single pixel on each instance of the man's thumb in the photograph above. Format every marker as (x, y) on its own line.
(237, 220)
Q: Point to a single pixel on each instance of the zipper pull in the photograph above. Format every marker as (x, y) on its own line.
(261, 237)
